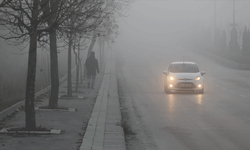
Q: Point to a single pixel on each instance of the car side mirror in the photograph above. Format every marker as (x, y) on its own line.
(165, 72)
(203, 72)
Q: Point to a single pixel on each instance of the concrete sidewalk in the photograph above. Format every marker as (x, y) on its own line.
(104, 131)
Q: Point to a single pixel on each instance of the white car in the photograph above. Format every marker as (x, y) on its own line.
(183, 76)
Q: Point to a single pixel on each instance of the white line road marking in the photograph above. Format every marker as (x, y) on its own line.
(224, 88)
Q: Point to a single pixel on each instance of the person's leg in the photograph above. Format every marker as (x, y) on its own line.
(88, 80)
(93, 82)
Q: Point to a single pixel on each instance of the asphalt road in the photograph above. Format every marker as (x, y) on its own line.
(219, 119)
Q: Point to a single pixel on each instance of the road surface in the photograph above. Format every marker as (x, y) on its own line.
(219, 119)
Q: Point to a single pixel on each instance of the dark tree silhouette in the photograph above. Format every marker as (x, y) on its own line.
(223, 40)
(233, 43)
(20, 22)
(245, 42)
(37, 22)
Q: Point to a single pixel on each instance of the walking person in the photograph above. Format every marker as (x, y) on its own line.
(92, 67)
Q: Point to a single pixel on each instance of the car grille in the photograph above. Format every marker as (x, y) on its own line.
(185, 85)
(185, 79)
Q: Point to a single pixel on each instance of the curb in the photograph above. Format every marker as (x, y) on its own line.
(10, 110)
(104, 131)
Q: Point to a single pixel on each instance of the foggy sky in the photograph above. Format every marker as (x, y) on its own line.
(154, 22)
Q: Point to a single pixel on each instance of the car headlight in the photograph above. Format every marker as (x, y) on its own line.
(197, 78)
(171, 78)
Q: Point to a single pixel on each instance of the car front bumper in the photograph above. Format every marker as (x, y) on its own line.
(189, 85)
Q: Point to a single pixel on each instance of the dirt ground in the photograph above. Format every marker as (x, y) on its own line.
(130, 131)
(71, 124)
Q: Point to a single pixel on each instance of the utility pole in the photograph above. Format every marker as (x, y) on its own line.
(233, 43)
(233, 24)
(198, 18)
(214, 22)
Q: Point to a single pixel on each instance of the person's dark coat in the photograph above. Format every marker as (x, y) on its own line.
(91, 64)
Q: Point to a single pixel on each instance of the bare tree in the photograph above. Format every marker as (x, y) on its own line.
(78, 59)
(108, 30)
(50, 9)
(37, 22)
(25, 21)
(61, 17)
(110, 10)
(84, 20)
(20, 22)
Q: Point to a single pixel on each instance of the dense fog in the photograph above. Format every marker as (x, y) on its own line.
(14, 60)
(151, 23)
(148, 25)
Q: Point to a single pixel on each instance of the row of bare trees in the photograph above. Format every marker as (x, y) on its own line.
(44, 23)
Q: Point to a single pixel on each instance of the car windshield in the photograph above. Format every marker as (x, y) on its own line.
(184, 68)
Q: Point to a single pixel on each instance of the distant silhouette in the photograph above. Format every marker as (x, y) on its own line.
(92, 67)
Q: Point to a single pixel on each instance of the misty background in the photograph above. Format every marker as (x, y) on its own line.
(149, 25)
(152, 23)
(14, 63)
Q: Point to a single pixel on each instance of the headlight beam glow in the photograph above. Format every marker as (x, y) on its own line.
(197, 78)
(171, 78)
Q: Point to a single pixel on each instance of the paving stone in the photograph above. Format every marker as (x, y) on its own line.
(104, 130)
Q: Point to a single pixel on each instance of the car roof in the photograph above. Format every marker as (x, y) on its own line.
(181, 62)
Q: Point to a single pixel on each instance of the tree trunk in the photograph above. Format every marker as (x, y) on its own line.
(77, 70)
(30, 84)
(53, 100)
(69, 87)
(91, 46)
(77, 77)
(101, 52)
(81, 71)
(78, 67)
(100, 49)
(30, 118)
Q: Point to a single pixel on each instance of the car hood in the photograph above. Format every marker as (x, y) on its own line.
(187, 76)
